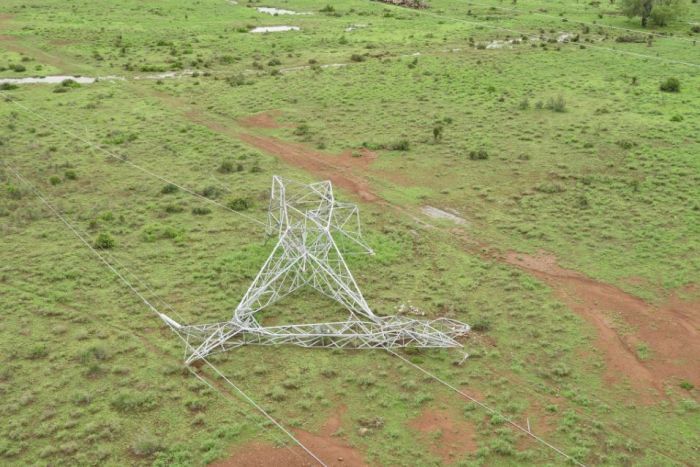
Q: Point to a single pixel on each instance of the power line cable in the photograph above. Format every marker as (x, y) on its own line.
(151, 307)
(488, 409)
(127, 161)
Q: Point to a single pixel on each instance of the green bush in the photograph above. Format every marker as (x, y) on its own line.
(226, 167)
(38, 351)
(54, 180)
(557, 104)
(70, 175)
(169, 189)
(8, 86)
(479, 155)
(69, 83)
(146, 445)
(670, 85)
(201, 211)
(240, 204)
(550, 188)
(211, 192)
(400, 145)
(357, 58)
(104, 241)
(132, 401)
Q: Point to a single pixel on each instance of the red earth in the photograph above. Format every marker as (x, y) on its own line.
(331, 449)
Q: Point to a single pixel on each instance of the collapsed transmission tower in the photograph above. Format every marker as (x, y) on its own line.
(307, 220)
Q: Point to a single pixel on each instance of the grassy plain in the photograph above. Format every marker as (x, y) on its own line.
(608, 183)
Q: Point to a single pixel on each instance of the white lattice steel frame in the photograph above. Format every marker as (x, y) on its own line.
(310, 224)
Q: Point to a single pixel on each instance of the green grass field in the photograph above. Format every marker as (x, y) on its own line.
(565, 148)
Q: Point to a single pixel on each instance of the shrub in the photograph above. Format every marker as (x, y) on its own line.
(677, 118)
(237, 80)
(146, 445)
(169, 189)
(7, 86)
(104, 241)
(481, 325)
(524, 104)
(173, 209)
(357, 58)
(626, 144)
(69, 83)
(583, 202)
(549, 188)
(14, 192)
(400, 145)
(302, 130)
(561, 370)
(695, 29)
(274, 62)
(226, 167)
(479, 155)
(54, 180)
(70, 175)
(437, 132)
(201, 211)
(37, 352)
(18, 67)
(687, 385)
(557, 104)
(277, 394)
(211, 192)
(131, 401)
(638, 38)
(670, 85)
(240, 204)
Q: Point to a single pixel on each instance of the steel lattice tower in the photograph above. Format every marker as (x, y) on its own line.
(309, 223)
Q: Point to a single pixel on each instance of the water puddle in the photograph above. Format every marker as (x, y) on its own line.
(436, 213)
(306, 67)
(166, 75)
(263, 29)
(354, 27)
(58, 79)
(278, 11)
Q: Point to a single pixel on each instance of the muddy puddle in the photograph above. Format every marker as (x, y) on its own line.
(58, 79)
(278, 11)
(264, 29)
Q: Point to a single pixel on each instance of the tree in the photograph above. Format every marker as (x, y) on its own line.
(659, 11)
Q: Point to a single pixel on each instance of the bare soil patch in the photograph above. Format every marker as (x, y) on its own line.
(331, 449)
(261, 120)
(317, 163)
(668, 334)
(447, 438)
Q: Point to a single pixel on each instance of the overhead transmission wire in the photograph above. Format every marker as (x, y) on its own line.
(151, 307)
(155, 310)
(479, 23)
(526, 386)
(127, 161)
(487, 408)
(586, 23)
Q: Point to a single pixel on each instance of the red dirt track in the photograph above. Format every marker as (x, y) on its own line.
(338, 169)
(670, 331)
